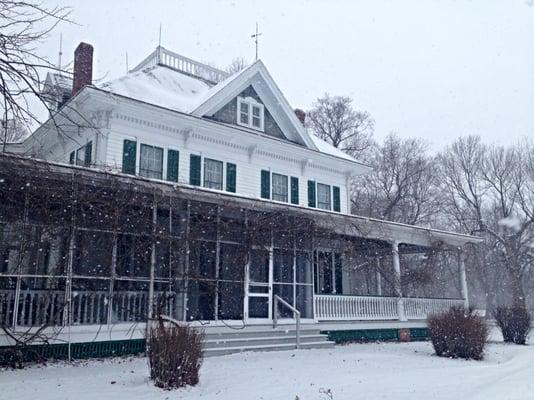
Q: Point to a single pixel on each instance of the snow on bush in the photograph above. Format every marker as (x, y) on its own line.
(458, 333)
(174, 355)
(514, 323)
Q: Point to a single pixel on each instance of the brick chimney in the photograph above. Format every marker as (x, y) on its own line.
(83, 67)
(301, 115)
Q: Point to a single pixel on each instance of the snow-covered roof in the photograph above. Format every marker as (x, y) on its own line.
(325, 147)
(162, 86)
(165, 86)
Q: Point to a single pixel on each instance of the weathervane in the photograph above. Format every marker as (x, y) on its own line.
(255, 37)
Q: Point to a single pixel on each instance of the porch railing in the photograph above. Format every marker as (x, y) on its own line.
(421, 308)
(48, 307)
(346, 308)
(296, 314)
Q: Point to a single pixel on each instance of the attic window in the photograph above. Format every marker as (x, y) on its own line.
(250, 113)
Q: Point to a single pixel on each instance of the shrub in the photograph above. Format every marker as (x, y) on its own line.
(514, 323)
(458, 333)
(174, 355)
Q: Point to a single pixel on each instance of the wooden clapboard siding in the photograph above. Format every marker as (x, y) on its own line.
(248, 170)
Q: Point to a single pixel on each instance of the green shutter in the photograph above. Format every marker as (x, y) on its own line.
(311, 193)
(194, 170)
(265, 184)
(88, 154)
(294, 190)
(173, 158)
(337, 199)
(231, 177)
(129, 153)
(72, 157)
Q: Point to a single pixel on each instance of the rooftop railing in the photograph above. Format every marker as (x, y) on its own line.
(162, 56)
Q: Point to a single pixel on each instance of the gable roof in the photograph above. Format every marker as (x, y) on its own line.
(168, 87)
(257, 76)
(162, 86)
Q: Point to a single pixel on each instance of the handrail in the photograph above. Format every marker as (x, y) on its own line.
(296, 314)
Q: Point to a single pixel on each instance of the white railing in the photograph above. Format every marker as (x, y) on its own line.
(346, 308)
(180, 63)
(421, 308)
(48, 307)
(296, 314)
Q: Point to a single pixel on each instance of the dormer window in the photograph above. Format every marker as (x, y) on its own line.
(250, 113)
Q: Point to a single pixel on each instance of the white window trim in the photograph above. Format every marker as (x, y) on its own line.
(203, 172)
(250, 101)
(288, 188)
(317, 196)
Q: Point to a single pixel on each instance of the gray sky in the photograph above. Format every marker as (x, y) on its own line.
(430, 69)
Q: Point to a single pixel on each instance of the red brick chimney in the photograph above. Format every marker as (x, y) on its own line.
(83, 67)
(301, 115)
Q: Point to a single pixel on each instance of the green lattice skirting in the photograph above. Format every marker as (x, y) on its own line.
(111, 348)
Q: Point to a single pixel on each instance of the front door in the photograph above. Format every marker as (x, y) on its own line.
(258, 296)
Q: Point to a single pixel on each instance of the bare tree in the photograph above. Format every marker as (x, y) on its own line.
(335, 120)
(402, 185)
(237, 64)
(23, 26)
(486, 190)
(13, 131)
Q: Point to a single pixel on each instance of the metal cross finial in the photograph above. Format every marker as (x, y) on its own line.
(255, 37)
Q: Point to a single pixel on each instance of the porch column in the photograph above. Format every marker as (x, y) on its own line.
(397, 280)
(378, 278)
(463, 280)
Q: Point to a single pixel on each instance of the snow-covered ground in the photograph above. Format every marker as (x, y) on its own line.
(357, 371)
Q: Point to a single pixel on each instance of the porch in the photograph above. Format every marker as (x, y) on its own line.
(134, 247)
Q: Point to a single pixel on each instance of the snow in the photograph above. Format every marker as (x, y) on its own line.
(511, 222)
(161, 86)
(358, 371)
(325, 147)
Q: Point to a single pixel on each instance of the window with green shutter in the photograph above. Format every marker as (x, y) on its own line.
(173, 159)
(265, 184)
(72, 157)
(88, 154)
(231, 177)
(194, 169)
(311, 193)
(129, 154)
(337, 199)
(294, 190)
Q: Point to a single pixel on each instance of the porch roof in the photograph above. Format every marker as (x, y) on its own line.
(343, 224)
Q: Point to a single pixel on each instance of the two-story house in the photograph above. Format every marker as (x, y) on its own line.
(230, 142)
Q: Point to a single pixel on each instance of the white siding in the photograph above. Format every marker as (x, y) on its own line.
(248, 169)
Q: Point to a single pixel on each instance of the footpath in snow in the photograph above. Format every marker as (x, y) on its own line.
(358, 371)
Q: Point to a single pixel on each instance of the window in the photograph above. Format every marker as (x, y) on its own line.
(328, 272)
(279, 190)
(83, 155)
(250, 113)
(151, 162)
(323, 197)
(213, 174)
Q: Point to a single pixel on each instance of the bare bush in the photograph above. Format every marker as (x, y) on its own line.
(514, 323)
(458, 333)
(174, 355)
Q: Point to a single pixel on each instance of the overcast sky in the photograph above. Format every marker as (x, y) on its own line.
(430, 69)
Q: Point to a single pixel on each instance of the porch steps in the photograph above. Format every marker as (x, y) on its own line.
(267, 339)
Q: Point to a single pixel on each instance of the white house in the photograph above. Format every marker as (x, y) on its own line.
(178, 123)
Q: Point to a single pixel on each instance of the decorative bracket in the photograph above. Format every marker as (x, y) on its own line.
(251, 151)
(304, 164)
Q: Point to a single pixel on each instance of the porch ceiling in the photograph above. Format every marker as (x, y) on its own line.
(410, 237)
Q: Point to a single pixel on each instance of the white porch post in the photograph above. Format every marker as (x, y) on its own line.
(397, 281)
(378, 278)
(463, 280)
